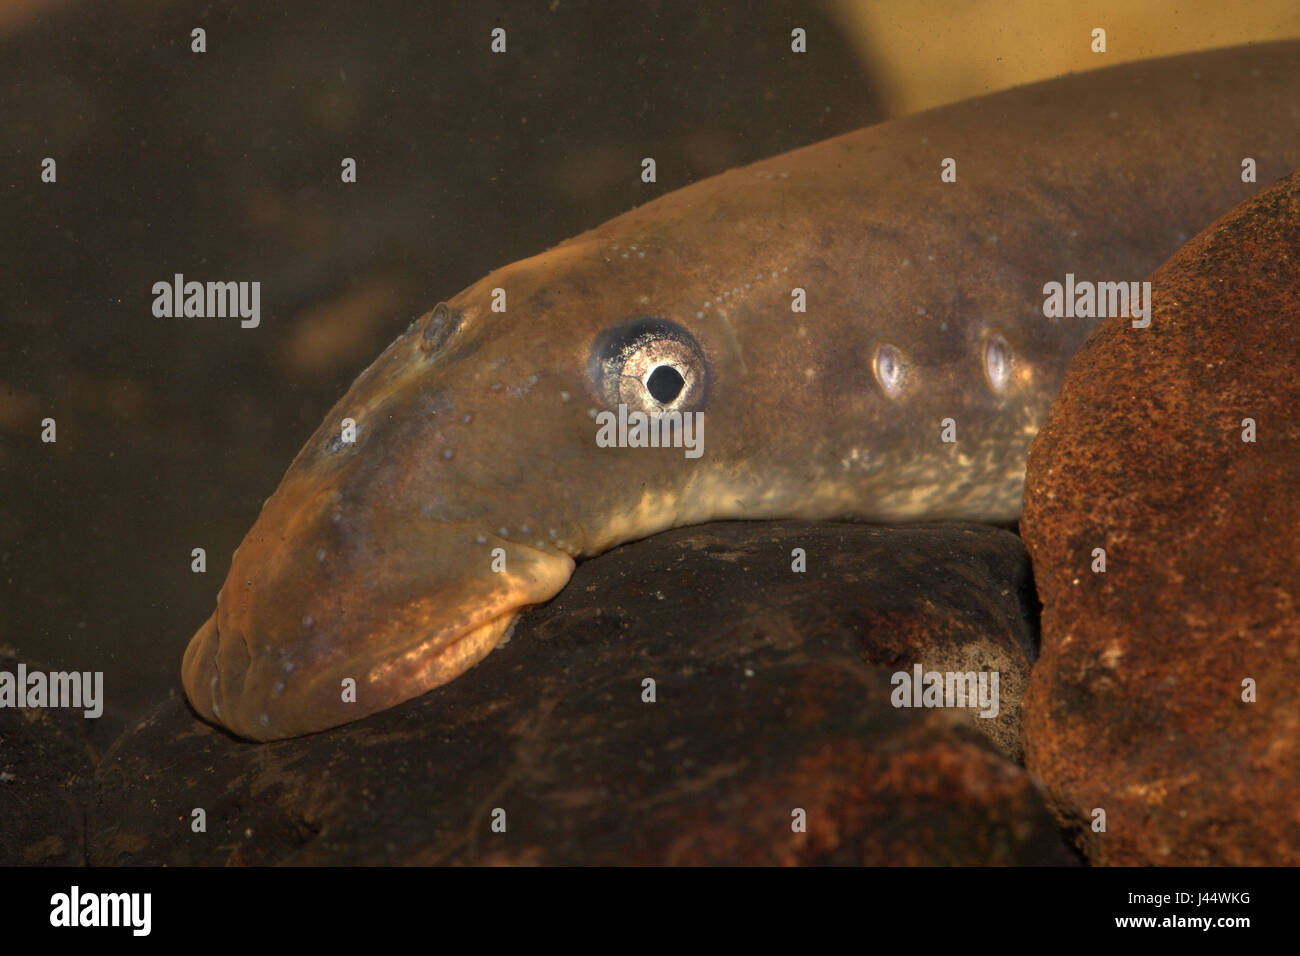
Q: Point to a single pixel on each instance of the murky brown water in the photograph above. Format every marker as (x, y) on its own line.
(225, 165)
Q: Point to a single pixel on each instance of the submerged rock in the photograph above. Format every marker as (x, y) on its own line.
(686, 699)
(1166, 691)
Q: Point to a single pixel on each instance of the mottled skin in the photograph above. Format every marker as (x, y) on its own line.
(373, 561)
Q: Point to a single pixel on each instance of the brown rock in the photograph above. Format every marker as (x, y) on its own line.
(1136, 705)
(772, 695)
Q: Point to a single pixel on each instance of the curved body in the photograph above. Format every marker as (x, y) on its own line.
(383, 567)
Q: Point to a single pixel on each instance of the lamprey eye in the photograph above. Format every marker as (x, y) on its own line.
(997, 362)
(891, 370)
(651, 365)
(442, 325)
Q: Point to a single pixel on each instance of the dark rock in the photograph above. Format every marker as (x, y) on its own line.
(772, 695)
(46, 766)
(1136, 706)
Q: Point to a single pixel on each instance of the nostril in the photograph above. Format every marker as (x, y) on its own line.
(442, 325)
(232, 660)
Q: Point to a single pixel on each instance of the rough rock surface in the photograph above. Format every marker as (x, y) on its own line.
(46, 765)
(1136, 704)
(772, 695)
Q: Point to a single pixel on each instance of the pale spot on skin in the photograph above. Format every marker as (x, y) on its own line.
(859, 457)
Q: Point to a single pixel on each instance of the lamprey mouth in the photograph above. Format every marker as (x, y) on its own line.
(277, 660)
